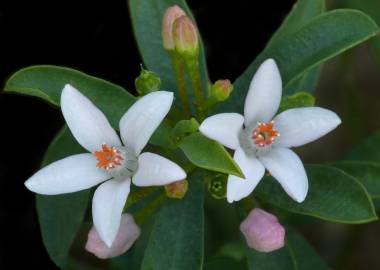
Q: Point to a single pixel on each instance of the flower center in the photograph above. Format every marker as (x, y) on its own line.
(264, 134)
(117, 161)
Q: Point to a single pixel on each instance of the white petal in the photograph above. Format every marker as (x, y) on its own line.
(239, 188)
(264, 94)
(107, 207)
(141, 120)
(224, 128)
(155, 170)
(67, 175)
(86, 122)
(287, 168)
(303, 125)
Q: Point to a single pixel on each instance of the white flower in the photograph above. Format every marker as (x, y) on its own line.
(109, 161)
(256, 139)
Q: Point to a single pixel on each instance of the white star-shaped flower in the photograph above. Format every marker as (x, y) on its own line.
(110, 161)
(262, 140)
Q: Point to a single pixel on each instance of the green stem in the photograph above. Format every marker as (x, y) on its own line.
(179, 70)
(192, 65)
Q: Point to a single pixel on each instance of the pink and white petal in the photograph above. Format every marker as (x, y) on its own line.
(239, 188)
(142, 119)
(155, 170)
(107, 206)
(67, 175)
(287, 168)
(87, 123)
(264, 94)
(224, 128)
(303, 125)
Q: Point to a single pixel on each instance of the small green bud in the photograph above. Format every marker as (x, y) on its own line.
(218, 186)
(185, 35)
(221, 90)
(177, 190)
(147, 82)
(171, 14)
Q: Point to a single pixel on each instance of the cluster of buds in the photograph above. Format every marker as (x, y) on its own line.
(179, 33)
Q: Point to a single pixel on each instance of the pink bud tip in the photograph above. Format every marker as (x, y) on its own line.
(171, 14)
(262, 231)
(185, 36)
(126, 236)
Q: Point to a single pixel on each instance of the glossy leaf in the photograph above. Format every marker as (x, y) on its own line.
(297, 100)
(333, 195)
(277, 260)
(368, 149)
(368, 173)
(372, 8)
(322, 38)
(60, 216)
(146, 18)
(47, 82)
(209, 154)
(176, 240)
(225, 264)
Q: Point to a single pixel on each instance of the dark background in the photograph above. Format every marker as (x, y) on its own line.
(94, 37)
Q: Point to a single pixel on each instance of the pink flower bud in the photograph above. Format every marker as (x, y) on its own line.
(177, 190)
(185, 36)
(221, 89)
(262, 231)
(171, 14)
(127, 235)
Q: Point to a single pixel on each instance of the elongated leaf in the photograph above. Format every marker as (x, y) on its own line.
(333, 195)
(368, 173)
(60, 216)
(368, 149)
(146, 19)
(322, 38)
(209, 154)
(372, 8)
(225, 264)
(47, 82)
(176, 241)
(303, 11)
(297, 254)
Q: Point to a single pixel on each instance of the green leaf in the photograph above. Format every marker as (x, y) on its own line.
(368, 149)
(60, 216)
(209, 154)
(176, 241)
(225, 264)
(368, 173)
(276, 260)
(297, 100)
(146, 20)
(333, 195)
(303, 11)
(297, 254)
(184, 128)
(47, 82)
(372, 8)
(322, 38)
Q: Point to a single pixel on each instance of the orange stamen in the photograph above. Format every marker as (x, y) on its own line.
(108, 157)
(264, 134)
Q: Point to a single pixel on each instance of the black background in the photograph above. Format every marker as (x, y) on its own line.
(95, 37)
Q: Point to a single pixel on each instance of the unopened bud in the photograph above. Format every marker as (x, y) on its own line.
(147, 82)
(177, 190)
(221, 90)
(185, 36)
(218, 186)
(171, 14)
(126, 236)
(262, 231)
